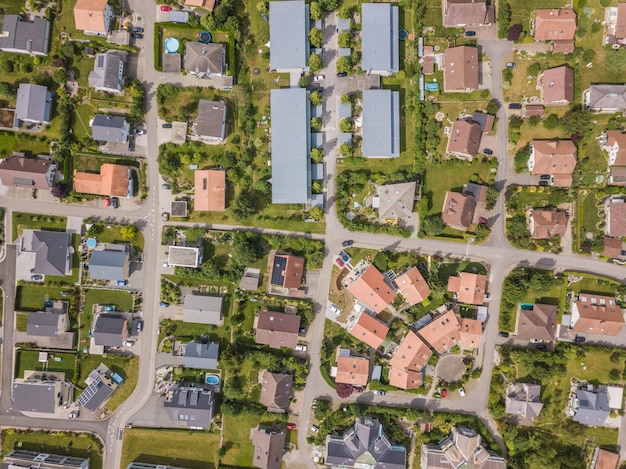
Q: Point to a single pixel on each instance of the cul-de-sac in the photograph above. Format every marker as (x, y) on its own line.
(297, 234)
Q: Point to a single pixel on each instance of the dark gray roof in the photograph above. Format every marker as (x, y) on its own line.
(22, 458)
(203, 309)
(33, 103)
(607, 96)
(289, 35)
(593, 407)
(108, 72)
(107, 265)
(366, 436)
(52, 250)
(204, 59)
(202, 356)
(193, 406)
(36, 396)
(25, 36)
(291, 144)
(101, 387)
(211, 119)
(381, 123)
(108, 330)
(44, 324)
(379, 38)
(109, 128)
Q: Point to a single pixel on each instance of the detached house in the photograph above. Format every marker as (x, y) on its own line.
(204, 60)
(370, 287)
(557, 85)
(408, 362)
(25, 37)
(113, 180)
(469, 288)
(596, 314)
(277, 329)
(211, 124)
(269, 446)
(458, 210)
(464, 140)
(523, 399)
(460, 69)
(276, 391)
(93, 16)
(538, 323)
(106, 128)
(606, 98)
(458, 13)
(413, 286)
(554, 157)
(45, 252)
(33, 105)
(462, 448)
(557, 25)
(616, 218)
(546, 223)
(108, 72)
(32, 173)
(351, 369)
(370, 330)
(615, 146)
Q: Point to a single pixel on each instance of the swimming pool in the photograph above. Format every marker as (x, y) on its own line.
(212, 379)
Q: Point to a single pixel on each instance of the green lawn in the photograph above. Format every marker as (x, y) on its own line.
(21, 322)
(236, 432)
(180, 448)
(28, 360)
(16, 141)
(79, 445)
(22, 220)
(592, 284)
(31, 297)
(111, 234)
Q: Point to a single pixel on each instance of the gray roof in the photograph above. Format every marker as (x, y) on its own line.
(108, 265)
(108, 72)
(204, 59)
(291, 144)
(211, 119)
(607, 96)
(29, 105)
(35, 396)
(184, 256)
(269, 446)
(289, 35)
(52, 250)
(203, 356)
(593, 407)
(523, 399)
(203, 309)
(381, 123)
(177, 16)
(109, 330)
(109, 128)
(366, 436)
(22, 458)
(45, 324)
(379, 38)
(103, 383)
(25, 36)
(143, 465)
(193, 406)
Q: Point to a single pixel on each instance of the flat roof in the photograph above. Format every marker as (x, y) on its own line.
(184, 256)
(289, 35)
(381, 123)
(291, 143)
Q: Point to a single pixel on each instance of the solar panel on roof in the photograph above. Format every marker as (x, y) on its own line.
(100, 61)
(280, 264)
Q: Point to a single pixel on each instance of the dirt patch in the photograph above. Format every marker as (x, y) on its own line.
(7, 117)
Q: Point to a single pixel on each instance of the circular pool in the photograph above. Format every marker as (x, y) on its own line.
(212, 379)
(205, 37)
(403, 34)
(91, 243)
(171, 45)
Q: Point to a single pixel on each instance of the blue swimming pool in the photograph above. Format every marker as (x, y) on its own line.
(212, 379)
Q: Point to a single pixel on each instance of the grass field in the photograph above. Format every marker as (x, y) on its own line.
(593, 284)
(28, 360)
(79, 445)
(112, 235)
(22, 220)
(21, 322)
(180, 448)
(31, 297)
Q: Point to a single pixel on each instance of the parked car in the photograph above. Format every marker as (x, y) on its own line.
(545, 177)
(544, 183)
(140, 132)
(167, 125)
(340, 262)
(488, 151)
(167, 187)
(504, 335)
(579, 339)
(139, 326)
(380, 392)
(444, 393)
(515, 106)
(300, 348)
(115, 202)
(74, 414)
(129, 343)
(344, 256)
(107, 202)
(461, 392)
(163, 304)
(137, 29)
(165, 216)
(318, 78)
(291, 426)
(166, 8)
(357, 389)
(121, 283)
(314, 429)
(109, 308)
(136, 35)
(482, 221)
(470, 33)
(36, 278)
(342, 74)
(510, 64)
(541, 346)
(347, 243)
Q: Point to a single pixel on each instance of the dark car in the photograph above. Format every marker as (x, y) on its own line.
(545, 177)
(139, 326)
(137, 29)
(504, 334)
(167, 187)
(137, 36)
(488, 151)
(579, 339)
(515, 106)
(544, 183)
(167, 125)
(342, 74)
(541, 346)
(163, 304)
(470, 33)
(115, 202)
(347, 243)
(36, 278)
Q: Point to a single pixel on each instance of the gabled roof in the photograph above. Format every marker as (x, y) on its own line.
(206, 4)
(538, 322)
(25, 36)
(593, 407)
(523, 399)
(485, 121)
(203, 309)
(277, 329)
(554, 156)
(458, 210)
(370, 330)
(105, 128)
(204, 59)
(470, 288)
(597, 314)
(615, 139)
(558, 85)
(617, 176)
(471, 332)
(460, 68)
(607, 97)
(201, 355)
(352, 370)
(612, 247)
(462, 12)
(555, 24)
(33, 103)
(616, 218)
(548, 223)
(371, 289)
(365, 441)
(106, 72)
(381, 121)
(101, 384)
(113, 180)
(620, 24)
(478, 191)
(289, 35)
(462, 448)
(286, 270)
(109, 263)
(379, 38)
(603, 459)
(442, 333)
(51, 248)
(209, 190)
(46, 324)
(396, 200)
(211, 119)
(89, 15)
(276, 390)
(20, 171)
(408, 361)
(110, 330)
(464, 139)
(192, 405)
(413, 286)
(269, 446)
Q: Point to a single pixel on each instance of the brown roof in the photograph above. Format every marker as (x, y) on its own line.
(206, 4)
(537, 323)
(286, 270)
(470, 288)
(413, 286)
(617, 176)
(276, 390)
(617, 139)
(277, 329)
(478, 191)
(89, 15)
(462, 12)
(458, 210)
(533, 110)
(554, 156)
(555, 24)
(562, 180)
(405, 367)
(548, 223)
(471, 333)
(616, 219)
(370, 330)
(460, 69)
(428, 65)
(370, 288)
(442, 333)
(558, 85)
(112, 180)
(269, 446)
(620, 25)
(209, 190)
(352, 370)
(612, 247)
(597, 315)
(464, 139)
(604, 458)
(565, 46)
(18, 171)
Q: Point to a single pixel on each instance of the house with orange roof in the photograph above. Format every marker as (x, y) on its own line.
(370, 287)
(557, 25)
(93, 17)
(209, 190)
(470, 288)
(370, 330)
(471, 333)
(351, 369)
(442, 333)
(113, 180)
(596, 314)
(413, 286)
(408, 362)
(554, 157)
(615, 146)
(208, 5)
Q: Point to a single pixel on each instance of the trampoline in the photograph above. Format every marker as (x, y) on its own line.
(171, 45)
(212, 379)
(403, 34)
(205, 37)
(91, 243)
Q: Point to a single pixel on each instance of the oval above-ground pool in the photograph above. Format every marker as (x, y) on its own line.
(212, 379)
(171, 45)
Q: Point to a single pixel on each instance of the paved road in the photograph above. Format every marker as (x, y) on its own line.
(8, 324)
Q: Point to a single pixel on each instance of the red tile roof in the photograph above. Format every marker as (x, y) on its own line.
(555, 24)
(464, 139)
(470, 288)
(209, 190)
(463, 12)
(617, 139)
(558, 85)
(458, 210)
(460, 69)
(547, 223)
(370, 330)
(597, 314)
(112, 180)
(352, 370)
(620, 26)
(553, 157)
(442, 333)
(409, 359)
(616, 219)
(471, 333)
(413, 286)
(606, 459)
(537, 323)
(370, 288)
(612, 247)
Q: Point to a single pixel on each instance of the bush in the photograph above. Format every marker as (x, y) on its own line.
(316, 37)
(514, 32)
(344, 65)
(589, 55)
(521, 159)
(316, 124)
(534, 69)
(493, 106)
(344, 39)
(345, 149)
(551, 122)
(346, 125)
(315, 63)
(317, 155)
(534, 120)
(316, 98)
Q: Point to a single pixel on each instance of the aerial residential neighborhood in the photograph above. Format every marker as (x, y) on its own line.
(312, 233)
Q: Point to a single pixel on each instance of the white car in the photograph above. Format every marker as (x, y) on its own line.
(462, 392)
(300, 348)
(314, 429)
(317, 78)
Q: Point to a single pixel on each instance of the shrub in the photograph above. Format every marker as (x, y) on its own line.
(514, 32)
